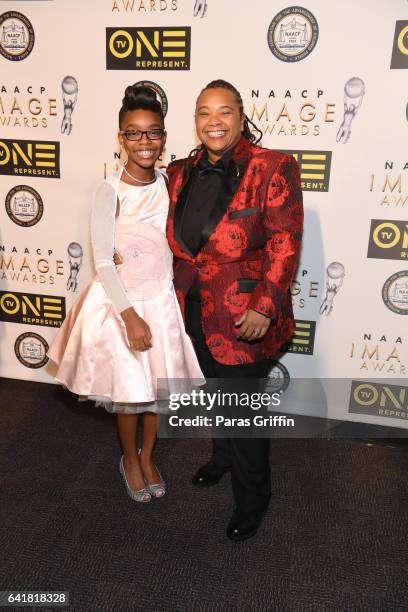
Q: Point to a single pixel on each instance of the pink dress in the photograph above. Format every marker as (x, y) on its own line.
(91, 350)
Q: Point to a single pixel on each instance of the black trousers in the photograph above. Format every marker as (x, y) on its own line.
(248, 458)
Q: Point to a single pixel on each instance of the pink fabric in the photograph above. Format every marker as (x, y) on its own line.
(94, 357)
(91, 349)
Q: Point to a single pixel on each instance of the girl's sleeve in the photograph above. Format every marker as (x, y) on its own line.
(103, 245)
(163, 172)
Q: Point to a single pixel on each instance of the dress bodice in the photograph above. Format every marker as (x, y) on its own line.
(140, 237)
(146, 204)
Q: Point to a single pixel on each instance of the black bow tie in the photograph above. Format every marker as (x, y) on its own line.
(204, 167)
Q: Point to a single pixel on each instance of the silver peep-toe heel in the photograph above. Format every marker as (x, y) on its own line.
(159, 489)
(143, 495)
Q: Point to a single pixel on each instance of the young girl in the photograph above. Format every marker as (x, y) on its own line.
(126, 331)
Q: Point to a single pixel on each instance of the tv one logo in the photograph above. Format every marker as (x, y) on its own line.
(314, 168)
(30, 158)
(148, 48)
(388, 239)
(32, 309)
(399, 58)
(379, 399)
(302, 341)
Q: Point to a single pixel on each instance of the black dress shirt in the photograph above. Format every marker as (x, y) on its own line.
(206, 180)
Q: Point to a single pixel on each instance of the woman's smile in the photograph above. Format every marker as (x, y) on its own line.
(219, 121)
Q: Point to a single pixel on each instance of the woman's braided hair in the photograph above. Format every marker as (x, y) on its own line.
(246, 132)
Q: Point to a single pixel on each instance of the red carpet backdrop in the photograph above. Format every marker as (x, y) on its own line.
(325, 81)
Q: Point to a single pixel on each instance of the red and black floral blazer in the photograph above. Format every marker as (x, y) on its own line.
(248, 250)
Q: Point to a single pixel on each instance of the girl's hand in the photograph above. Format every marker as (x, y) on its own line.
(117, 259)
(138, 332)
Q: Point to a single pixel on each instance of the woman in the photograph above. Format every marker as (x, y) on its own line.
(235, 226)
(125, 332)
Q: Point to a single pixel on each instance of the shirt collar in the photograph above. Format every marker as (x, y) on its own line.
(222, 162)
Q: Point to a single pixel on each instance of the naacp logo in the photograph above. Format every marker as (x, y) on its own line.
(399, 57)
(16, 36)
(24, 206)
(278, 378)
(388, 239)
(159, 91)
(30, 158)
(395, 292)
(293, 34)
(31, 350)
(148, 48)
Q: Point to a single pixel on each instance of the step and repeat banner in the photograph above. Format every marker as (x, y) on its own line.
(325, 81)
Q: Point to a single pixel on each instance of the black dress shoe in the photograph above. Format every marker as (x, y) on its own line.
(208, 475)
(242, 527)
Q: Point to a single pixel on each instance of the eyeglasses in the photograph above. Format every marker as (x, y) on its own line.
(153, 134)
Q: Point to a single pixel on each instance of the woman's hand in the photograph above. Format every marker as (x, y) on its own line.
(138, 332)
(253, 325)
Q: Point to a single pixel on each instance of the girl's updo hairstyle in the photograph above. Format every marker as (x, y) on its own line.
(140, 97)
(246, 132)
